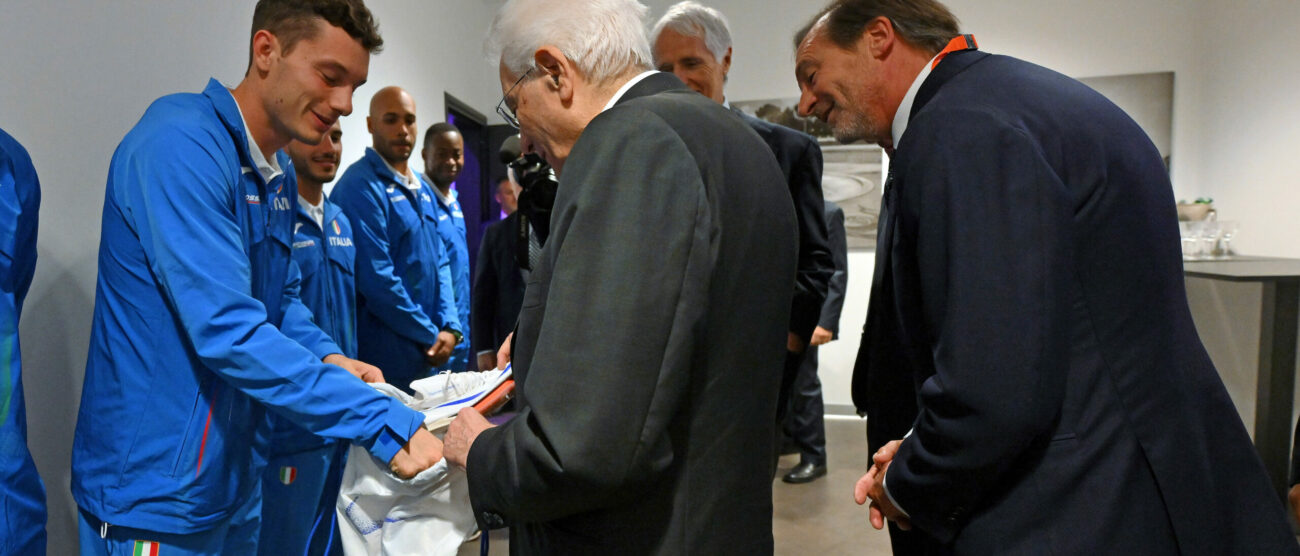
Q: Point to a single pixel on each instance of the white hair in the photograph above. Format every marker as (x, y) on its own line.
(691, 19)
(603, 38)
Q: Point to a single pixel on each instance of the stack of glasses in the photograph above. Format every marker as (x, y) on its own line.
(1207, 239)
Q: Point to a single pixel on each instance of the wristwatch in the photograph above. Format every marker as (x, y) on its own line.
(455, 333)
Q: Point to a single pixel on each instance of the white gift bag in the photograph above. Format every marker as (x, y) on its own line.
(380, 514)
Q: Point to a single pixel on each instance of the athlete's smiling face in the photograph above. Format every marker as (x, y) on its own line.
(309, 85)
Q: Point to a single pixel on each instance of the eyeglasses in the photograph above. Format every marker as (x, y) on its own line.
(507, 113)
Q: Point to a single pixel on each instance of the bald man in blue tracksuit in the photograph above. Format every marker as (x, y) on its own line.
(197, 330)
(405, 297)
(22, 512)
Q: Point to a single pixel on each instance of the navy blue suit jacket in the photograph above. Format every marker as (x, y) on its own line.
(1029, 290)
(498, 286)
(800, 159)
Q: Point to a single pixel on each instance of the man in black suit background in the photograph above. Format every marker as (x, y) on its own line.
(498, 281)
(693, 42)
(1029, 287)
(649, 346)
(806, 421)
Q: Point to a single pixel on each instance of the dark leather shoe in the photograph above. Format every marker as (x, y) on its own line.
(805, 473)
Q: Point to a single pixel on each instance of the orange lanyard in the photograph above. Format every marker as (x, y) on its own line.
(957, 44)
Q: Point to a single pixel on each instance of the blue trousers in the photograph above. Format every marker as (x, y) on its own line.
(292, 488)
(237, 535)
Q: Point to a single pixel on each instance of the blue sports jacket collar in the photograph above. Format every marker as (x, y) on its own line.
(223, 101)
(332, 210)
(382, 168)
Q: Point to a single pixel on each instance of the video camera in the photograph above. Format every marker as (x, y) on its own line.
(537, 180)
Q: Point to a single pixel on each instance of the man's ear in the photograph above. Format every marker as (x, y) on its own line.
(370, 126)
(265, 47)
(877, 38)
(559, 71)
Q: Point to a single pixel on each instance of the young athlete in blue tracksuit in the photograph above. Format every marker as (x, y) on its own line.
(451, 228)
(198, 328)
(444, 159)
(301, 480)
(405, 295)
(22, 512)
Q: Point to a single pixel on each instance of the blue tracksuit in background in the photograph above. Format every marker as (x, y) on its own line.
(451, 227)
(197, 329)
(301, 480)
(22, 496)
(404, 289)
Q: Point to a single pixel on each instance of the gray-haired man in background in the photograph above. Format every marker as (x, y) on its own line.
(694, 43)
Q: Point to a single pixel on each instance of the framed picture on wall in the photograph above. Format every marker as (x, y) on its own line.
(852, 175)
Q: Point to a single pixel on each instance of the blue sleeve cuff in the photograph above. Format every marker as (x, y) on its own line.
(399, 426)
(325, 348)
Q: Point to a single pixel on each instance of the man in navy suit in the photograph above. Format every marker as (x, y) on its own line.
(498, 281)
(1029, 288)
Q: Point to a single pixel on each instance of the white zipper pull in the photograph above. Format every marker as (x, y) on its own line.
(103, 530)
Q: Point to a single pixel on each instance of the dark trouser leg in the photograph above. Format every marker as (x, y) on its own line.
(788, 374)
(805, 423)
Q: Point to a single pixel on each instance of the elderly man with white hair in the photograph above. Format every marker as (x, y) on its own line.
(649, 346)
(693, 42)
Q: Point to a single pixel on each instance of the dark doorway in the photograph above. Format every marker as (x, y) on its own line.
(483, 169)
(472, 188)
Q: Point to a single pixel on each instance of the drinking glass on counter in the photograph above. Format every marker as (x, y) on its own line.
(1227, 229)
(1191, 235)
(1210, 230)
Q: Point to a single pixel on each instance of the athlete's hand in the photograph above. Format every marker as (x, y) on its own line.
(360, 369)
(420, 453)
(440, 351)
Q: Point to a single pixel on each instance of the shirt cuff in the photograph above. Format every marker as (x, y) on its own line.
(884, 482)
(399, 426)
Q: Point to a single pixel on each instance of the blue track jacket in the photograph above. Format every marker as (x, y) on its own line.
(197, 324)
(325, 258)
(22, 496)
(451, 227)
(404, 288)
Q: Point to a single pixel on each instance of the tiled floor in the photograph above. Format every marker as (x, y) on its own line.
(814, 518)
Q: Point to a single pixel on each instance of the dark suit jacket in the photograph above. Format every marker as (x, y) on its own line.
(648, 347)
(800, 159)
(498, 286)
(1029, 279)
(839, 282)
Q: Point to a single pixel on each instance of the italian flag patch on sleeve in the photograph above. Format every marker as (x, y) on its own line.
(288, 474)
(145, 548)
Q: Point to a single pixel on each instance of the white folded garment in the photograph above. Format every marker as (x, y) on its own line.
(380, 514)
